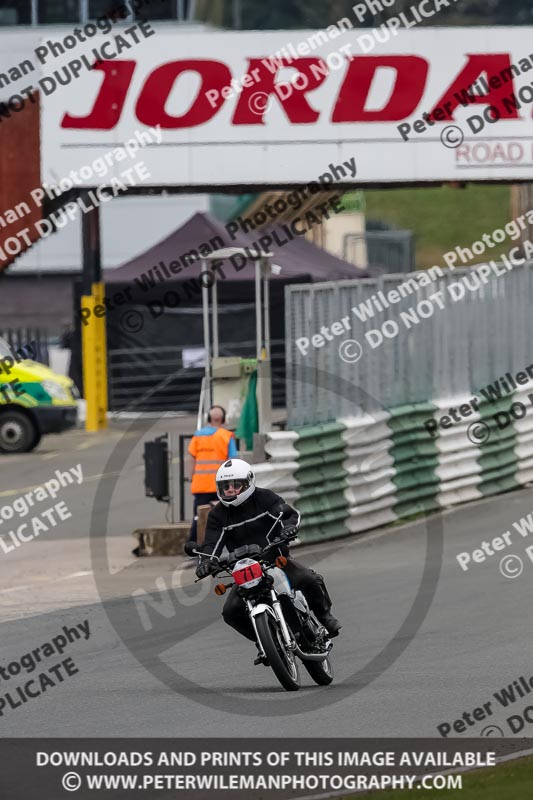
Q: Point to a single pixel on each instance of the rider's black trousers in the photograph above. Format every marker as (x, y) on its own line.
(301, 577)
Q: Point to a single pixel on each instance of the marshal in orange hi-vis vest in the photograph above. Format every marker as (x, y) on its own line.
(209, 451)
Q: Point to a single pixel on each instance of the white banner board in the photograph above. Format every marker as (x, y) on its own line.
(229, 114)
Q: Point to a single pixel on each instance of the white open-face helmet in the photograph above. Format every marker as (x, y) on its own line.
(235, 482)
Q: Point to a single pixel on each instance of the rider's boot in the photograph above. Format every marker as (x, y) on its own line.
(330, 623)
(320, 603)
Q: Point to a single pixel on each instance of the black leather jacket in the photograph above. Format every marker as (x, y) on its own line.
(234, 526)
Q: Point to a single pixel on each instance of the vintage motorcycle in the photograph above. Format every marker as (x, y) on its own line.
(284, 625)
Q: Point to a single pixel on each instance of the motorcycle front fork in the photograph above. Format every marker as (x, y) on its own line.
(288, 640)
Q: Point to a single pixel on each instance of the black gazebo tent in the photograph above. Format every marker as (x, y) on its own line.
(155, 309)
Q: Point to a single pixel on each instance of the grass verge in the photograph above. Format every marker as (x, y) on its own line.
(512, 780)
(441, 217)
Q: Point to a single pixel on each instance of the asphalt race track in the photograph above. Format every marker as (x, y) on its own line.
(399, 670)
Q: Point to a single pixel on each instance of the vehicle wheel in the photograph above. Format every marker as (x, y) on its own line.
(320, 671)
(18, 434)
(282, 662)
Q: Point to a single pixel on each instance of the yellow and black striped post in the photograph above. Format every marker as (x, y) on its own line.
(94, 351)
(94, 345)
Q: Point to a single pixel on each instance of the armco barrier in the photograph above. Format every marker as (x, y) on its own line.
(363, 472)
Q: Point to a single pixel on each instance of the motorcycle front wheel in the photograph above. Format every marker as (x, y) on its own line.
(283, 663)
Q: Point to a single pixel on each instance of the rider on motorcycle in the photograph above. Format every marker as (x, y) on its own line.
(245, 515)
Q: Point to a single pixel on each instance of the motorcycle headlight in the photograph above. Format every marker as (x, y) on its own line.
(55, 390)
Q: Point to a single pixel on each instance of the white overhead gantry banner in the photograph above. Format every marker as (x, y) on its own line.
(431, 104)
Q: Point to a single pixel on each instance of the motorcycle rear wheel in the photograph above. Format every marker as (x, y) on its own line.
(320, 671)
(283, 663)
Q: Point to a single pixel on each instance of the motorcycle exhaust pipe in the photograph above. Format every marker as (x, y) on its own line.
(310, 656)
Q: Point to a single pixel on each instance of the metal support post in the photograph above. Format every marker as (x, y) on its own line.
(266, 305)
(258, 312)
(170, 477)
(214, 310)
(207, 344)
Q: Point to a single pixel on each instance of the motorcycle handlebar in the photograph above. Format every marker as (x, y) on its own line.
(224, 563)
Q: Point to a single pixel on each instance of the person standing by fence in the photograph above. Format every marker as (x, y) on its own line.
(209, 447)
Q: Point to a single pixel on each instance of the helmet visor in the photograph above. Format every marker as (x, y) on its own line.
(231, 488)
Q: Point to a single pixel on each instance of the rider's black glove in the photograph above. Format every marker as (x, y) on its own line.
(204, 569)
(289, 532)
